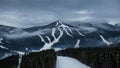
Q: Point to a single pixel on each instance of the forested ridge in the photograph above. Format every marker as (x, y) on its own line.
(108, 57)
(95, 57)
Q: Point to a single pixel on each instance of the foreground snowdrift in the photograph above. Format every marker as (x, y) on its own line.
(67, 62)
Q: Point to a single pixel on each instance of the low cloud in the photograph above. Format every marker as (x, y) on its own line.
(84, 12)
(113, 21)
(88, 29)
(33, 18)
(84, 16)
(15, 18)
(18, 33)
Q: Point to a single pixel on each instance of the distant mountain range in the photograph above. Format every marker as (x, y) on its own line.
(58, 35)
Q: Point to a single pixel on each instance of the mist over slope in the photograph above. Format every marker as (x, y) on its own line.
(58, 35)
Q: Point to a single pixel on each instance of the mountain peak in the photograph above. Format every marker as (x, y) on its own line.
(58, 23)
(54, 24)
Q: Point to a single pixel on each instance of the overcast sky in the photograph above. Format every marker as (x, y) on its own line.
(38, 12)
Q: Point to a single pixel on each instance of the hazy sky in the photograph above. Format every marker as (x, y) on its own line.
(38, 12)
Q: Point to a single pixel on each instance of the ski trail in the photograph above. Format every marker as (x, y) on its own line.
(57, 24)
(67, 32)
(20, 53)
(1, 40)
(53, 33)
(48, 45)
(6, 55)
(77, 44)
(3, 47)
(65, 28)
(67, 62)
(48, 38)
(79, 32)
(41, 38)
(104, 40)
(69, 29)
(20, 60)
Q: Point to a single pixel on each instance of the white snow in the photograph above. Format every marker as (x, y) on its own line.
(67, 62)
(20, 60)
(20, 53)
(3, 47)
(6, 55)
(113, 22)
(79, 32)
(26, 49)
(104, 40)
(67, 32)
(53, 33)
(48, 45)
(57, 24)
(1, 40)
(69, 29)
(48, 38)
(77, 44)
(58, 49)
(41, 38)
(65, 28)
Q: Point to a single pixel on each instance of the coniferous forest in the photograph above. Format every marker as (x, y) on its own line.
(93, 57)
(44, 59)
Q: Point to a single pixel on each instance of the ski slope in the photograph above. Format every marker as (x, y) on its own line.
(67, 62)
(105, 41)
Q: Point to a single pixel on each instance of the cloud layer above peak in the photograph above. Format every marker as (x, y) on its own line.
(25, 13)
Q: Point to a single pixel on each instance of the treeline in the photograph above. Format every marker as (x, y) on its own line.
(43, 59)
(95, 57)
(108, 57)
(9, 62)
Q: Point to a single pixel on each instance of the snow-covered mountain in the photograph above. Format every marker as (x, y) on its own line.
(58, 35)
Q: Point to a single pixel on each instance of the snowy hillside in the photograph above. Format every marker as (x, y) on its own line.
(67, 62)
(57, 35)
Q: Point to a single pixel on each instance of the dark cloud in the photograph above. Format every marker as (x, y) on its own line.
(34, 12)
